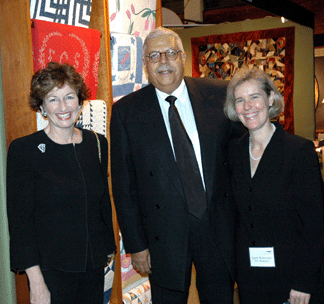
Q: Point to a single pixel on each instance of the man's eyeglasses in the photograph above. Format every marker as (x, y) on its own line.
(155, 57)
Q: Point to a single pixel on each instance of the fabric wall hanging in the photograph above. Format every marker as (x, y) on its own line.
(72, 12)
(219, 56)
(126, 61)
(132, 17)
(94, 116)
(109, 279)
(139, 295)
(77, 46)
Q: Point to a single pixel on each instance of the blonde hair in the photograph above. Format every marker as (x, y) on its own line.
(266, 85)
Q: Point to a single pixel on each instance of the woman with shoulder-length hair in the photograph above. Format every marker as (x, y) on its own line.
(278, 192)
(58, 202)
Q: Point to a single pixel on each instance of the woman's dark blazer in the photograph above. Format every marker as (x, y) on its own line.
(280, 207)
(57, 200)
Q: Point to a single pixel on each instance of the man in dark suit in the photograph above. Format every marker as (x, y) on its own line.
(162, 234)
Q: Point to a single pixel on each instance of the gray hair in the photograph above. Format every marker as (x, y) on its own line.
(266, 85)
(162, 31)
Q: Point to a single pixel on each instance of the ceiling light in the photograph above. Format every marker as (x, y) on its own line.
(284, 20)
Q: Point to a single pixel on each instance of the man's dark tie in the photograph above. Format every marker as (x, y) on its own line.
(187, 163)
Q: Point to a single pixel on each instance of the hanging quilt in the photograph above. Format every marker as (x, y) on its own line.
(126, 64)
(219, 56)
(109, 279)
(72, 12)
(77, 46)
(132, 17)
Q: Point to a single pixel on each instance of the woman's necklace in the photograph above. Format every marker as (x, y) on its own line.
(257, 158)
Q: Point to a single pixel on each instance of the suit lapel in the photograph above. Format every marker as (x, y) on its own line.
(151, 120)
(270, 154)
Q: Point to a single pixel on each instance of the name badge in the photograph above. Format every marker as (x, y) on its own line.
(262, 257)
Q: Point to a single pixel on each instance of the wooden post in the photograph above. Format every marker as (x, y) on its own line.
(17, 70)
(17, 67)
(100, 20)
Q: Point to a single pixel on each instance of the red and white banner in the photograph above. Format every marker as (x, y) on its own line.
(62, 43)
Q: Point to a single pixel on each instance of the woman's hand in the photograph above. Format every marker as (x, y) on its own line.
(297, 297)
(39, 293)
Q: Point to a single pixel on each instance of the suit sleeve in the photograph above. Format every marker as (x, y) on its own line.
(20, 202)
(308, 200)
(124, 186)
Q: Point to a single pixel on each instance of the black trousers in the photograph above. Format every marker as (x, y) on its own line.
(76, 287)
(277, 297)
(213, 280)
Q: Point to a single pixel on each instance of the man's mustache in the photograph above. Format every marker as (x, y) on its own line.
(164, 68)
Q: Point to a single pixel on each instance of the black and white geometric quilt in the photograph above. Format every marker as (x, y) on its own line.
(71, 12)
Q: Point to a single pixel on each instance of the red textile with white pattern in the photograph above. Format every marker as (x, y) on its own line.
(63, 43)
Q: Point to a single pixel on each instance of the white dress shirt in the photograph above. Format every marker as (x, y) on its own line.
(184, 108)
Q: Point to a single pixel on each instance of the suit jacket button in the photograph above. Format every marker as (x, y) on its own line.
(156, 238)
(250, 189)
(151, 173)
(253, 243)
(251, 225)
(157, 206)
(250, 207)
(226, 194)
